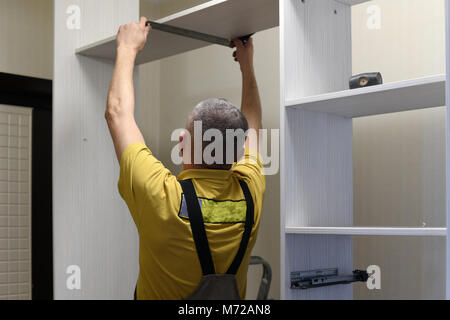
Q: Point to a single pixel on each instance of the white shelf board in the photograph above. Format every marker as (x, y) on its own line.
(352, 2)
(224, 18)
(368, 231)
(392, 97)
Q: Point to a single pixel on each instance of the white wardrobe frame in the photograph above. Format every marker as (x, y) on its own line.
(316, 141)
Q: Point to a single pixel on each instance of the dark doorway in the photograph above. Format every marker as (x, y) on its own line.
(37, 94)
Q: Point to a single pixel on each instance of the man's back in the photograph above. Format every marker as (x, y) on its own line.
(169, 264)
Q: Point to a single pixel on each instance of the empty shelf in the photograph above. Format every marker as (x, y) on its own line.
(368, 231)
(224, 18)
(406, 95)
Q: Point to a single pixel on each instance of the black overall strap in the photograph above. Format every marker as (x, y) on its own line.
(198, 227)
(199, 232)
(249, 221)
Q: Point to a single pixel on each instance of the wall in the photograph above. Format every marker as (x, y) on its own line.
(26, 37)
(399, 173)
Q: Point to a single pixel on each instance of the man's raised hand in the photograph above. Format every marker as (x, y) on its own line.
(134, 35)
(244, 54)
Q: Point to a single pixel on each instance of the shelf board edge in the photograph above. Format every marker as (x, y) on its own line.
(367, 231)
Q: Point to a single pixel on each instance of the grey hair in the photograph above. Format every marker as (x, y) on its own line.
(218, 114)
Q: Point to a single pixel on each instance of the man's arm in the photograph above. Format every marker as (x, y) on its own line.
(119, 114)
(251, 102)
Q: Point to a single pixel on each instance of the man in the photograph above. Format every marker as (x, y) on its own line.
(168, 259)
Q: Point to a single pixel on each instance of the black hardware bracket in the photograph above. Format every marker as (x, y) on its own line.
(324, 277)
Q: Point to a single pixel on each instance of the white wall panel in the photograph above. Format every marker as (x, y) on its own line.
(317, 178)
(320, 180)
(319, 252)
(317, 47)
(91, 224)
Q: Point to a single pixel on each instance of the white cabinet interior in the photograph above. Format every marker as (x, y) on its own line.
(319, 226)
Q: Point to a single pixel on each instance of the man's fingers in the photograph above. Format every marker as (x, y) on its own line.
(238, 43)
(143, 21)
(143, 24)
(147, 29)
(234, 54)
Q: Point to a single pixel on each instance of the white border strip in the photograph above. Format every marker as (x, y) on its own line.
(447, 161)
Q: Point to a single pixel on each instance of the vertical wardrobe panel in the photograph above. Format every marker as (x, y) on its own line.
(15, 203)
(317, 47)
(92, 228)
(317, 148)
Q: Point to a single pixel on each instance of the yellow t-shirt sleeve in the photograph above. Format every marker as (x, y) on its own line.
(251, 169)
(142, 180)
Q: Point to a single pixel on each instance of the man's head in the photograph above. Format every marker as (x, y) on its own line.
(215, 117)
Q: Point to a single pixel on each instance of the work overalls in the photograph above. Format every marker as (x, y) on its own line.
(215, 286)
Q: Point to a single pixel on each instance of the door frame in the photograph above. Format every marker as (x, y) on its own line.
(36, 93)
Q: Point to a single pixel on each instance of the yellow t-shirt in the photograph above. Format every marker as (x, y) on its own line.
(169, 264)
